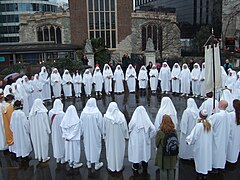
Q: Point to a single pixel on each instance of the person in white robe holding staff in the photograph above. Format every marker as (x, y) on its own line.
(115, 134)
(56, 115)
(201, 139)
(72, 132)
(92, 122)
(141, 131)
(39, 130)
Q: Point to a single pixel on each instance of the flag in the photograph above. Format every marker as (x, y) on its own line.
(209, 84)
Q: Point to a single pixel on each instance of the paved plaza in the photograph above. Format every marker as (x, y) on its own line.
(13, 170)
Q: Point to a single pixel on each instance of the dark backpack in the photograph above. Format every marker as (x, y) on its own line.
(170, 145)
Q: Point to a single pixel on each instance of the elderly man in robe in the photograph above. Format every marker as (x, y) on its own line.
(43, 77)
(201, 140)
(167, 108)
(176, 70)
(39, 130)
(56, 115)
(98, 81)
(141, 131)
(153, 74)
(165, 77)
(3, 144)
(220, 122)
(195, 76)
(92, 122)
(107, 77)
(67, 84)
(7, 110)
(189, 120)
(21, 132)
(56, 81)
(131, 77)
(87, 82)
(115, 132)
(208, 104)
(72, 130)
(118, 77)
(185, 79)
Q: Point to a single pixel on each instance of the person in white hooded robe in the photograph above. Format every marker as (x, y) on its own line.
(77, 84)
(185, 79)
(201, 139)
(153, 74)
(98, 81)
(3, 144)
(220, 123)
(230, 80)
(202, 81)
(107, 77)
(29, 91)
(165, 77)
(167, 108)
(92, 123)
(56, 81)
(19, 125)
(236, 88)
(195, 77)
(87, 82)
(67, 82)
(38, 88)
(176, 70)
(141, 131)
(7, 90)
(56, 115)
(188, 121)
(115, 134)
(228, 96)
(39, 130)
(72, 131)
(143, 78)
(234, 143)
(15, 92)
(131, 77)
(118, 77)
(45, 80)
(208, 104)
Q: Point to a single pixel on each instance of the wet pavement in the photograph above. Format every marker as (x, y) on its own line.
(13, 170)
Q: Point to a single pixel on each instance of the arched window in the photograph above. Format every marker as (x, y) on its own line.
(144, 40)
(52, 33)
(46, 34)
(59, 35)
(40, 34)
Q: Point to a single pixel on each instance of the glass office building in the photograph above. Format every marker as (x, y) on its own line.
(10, 10)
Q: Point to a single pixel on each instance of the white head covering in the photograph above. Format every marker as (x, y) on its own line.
(77, 77)
(118, 71)
(97, 73)
(187, 69)
(107, 71)
(91, 106)
(227, 96)
(55, 76)
(192, 106)
(57, 107)
(143, 73)
(37, 107)
(70, 118)
(196, 71)
(6, 90)
(140, 119)
(114, 114)
(167, 107)
(176, 71)
(130, 71)
(43, 74)
(66, 76)
(165, 63)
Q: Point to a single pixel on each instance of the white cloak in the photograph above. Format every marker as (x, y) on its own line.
(195, 75)
(24, 96)
(56, 83)
(143, 78)
(221, 136)
(77, 84)
(87, 81)
(175, 78)
(165, 77)
(153, 78)
(107, 76)
(185, 78)
(118, 77)
(98, 80)
(208, 105)
(67, 83)
(92, 122)
(115, 131)
(43, 77)
(21, 133)
(141, 131)
(202, 148)
(131, 77)
(38, 88)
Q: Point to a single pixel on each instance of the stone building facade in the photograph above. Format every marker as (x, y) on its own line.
(45, 27)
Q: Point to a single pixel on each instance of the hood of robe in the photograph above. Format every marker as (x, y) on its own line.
(97, 73)
(85, 75)
(55, 76)
(118, 71)
(66, 76)
(185, 70)
(6, 90)
(70, 118)
(143, 73)
(227, 96)
(57, 107)
(113, 113)
(107, 71)
(37, 107)
(176, 71)
(91, 106)
(167, 107)
(77, 77)
(130, 70)
(153, 71)
(42, 73)
(140, 119)
(192, 106)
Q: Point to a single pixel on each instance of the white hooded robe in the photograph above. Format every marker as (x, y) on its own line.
(87, 81)
(153, 78)
(67, 84)
(131, 77)
(56, 81)
(118, 77)
(107, 76)
(98, 79)
(45, 80)
(143, 78)
(175, 78)
(165, 77)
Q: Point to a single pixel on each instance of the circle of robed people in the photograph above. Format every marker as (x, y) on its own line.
(208, 135)
(177, 81)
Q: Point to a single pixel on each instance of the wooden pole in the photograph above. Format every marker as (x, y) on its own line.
(214, 75)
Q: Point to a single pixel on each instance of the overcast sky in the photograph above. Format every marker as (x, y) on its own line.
(62, 0)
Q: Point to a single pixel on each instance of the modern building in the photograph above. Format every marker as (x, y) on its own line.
(10, 11)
